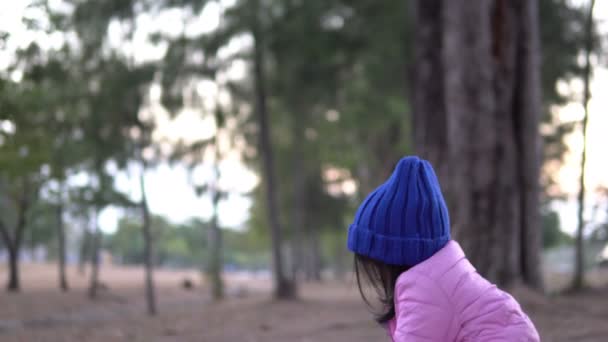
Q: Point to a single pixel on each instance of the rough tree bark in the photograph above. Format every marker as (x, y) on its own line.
(148, 247)
(476, 102)
(283, 287)
(579, 270)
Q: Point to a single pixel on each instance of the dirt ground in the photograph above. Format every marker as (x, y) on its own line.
(330, 311)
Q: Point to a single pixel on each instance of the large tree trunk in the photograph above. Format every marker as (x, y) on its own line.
(148, 247)
(476, 101)
(63, 282)
(528, 114)
(579, 270)
(214, 269)
(283, 287)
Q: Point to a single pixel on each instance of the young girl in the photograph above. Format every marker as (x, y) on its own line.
(430, 291)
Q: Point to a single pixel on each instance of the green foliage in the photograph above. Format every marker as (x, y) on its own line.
(42, 222)
(24, 148)
(183, 245)
(562, 38)
(337, 92)
(552, 234)
(337, 79)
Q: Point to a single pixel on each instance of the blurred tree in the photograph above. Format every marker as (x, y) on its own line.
(216, 264)
(109, 107)
(327, 66)
(195, 153)
(113, 110)
(41, 229)
(144, 153)
(299, 80)
(322, 94)
(80, 210)
(239, 20)
(63, 281)
(182, 245)
(563, 40)
(148, 244)
(128, 243)
(50, 71)
(23, 152)
(361, 36)
(283, 287)
(600, 233)
(112, 98)
(484, 84)
(13, 237)
(552, 233)
(579, 270)
(365, 133)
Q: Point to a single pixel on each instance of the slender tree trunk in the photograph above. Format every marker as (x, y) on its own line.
(299, 196)
(95, 246)
(13, 244)
(477, 75)
(13, 260)
(579, 271)
(14, 249)
(315, 255)
(283, 287)
(340, 262)
(365, 181)
(96, 236)
(148, 247)
(215, 256)
(14, 284)
(63, 282)
(83, 253)
(215, 238)
(13, 279)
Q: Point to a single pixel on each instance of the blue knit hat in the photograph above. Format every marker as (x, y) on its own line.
(405, 220)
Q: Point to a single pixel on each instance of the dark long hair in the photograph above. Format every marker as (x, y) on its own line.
(382, 278)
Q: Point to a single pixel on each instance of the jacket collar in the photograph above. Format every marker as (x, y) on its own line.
(441, 262)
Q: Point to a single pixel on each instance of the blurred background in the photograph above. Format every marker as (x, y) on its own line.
(186, 170)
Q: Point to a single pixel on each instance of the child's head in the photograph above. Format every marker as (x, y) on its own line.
(400, 224)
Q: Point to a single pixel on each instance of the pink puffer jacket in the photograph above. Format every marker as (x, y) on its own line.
(445, 299)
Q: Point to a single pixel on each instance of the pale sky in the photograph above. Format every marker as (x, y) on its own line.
(169, 190)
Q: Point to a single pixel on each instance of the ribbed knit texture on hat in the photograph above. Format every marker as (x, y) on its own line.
(405, 220)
